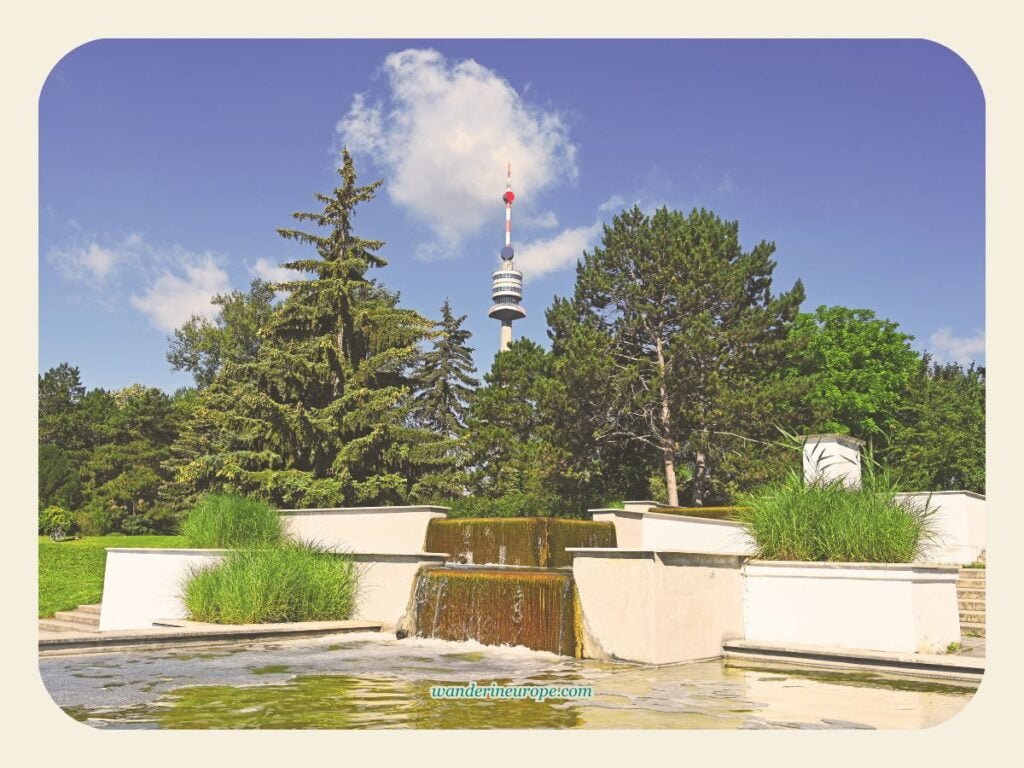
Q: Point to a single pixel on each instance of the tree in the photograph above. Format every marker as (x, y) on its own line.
(445, 377)
(202, 347)
(60, 392)
(939, 441)
(321, 415)
(687, 320)
(509, 455)
(859, 366)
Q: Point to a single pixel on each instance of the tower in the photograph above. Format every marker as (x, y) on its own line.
(507, 281)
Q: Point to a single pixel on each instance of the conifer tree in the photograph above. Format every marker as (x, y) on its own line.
(446, 378)
(321, 416)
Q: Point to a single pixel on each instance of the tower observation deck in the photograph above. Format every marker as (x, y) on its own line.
(507, 281)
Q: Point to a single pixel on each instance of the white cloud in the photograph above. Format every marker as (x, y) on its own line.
(726, 186)
(89, 261)
(267, 270)
(172, 299)
(444, 131)
(551, 254)
(947, 348)
(546, 220)
(613, 203)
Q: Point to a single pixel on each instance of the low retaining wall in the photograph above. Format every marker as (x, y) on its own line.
(364, 529)
(650, 529)
(959, 522)
(880, 607)
(141, 586)
(657, 607)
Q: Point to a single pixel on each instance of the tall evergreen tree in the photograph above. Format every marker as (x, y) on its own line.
(446, 380)
(321, 416)
(687, 333)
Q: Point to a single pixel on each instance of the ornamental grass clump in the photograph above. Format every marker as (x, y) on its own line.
(221, 521)
(829, 522)
(288, 582)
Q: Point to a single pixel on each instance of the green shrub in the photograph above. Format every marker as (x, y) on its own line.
(220, 521)
(709, 513)
(54, 517)
(515, 504)
(791, 520)
(289, 582)
(96, 518)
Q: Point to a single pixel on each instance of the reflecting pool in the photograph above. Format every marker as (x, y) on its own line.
(371, 680)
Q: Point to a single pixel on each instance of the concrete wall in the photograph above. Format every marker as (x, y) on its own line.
(143, 585)
(959, 521)
(657, 607)
(655, 530)
(900, 608)
(364, 529)
(386, 585)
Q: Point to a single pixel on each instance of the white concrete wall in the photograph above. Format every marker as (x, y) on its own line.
(386, 584)
(695, 534)
(959, 521)
(900, 608)
(143, 585)
(364, 529)
(629, 532)
(657, 607)
(827, 458)
(655, 530)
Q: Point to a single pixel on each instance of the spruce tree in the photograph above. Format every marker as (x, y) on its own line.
(321, 415)
(446, 378)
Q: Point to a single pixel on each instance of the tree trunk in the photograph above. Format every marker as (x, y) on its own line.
(668, 444)
(700, 472)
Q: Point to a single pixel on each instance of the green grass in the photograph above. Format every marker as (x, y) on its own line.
(790, 520)
(289, 582)
(71, 572)
(225, 521)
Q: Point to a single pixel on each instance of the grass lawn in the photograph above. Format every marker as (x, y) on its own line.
(71, 572)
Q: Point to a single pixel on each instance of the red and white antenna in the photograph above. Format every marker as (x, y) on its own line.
(508, 197)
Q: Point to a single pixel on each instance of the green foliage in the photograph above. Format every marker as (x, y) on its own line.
(512, 503)
(290, 582)
(221, 521)
(677, 343)
(202, 347)
(445, 377)
(859, 364)
(71, 572)
(58, 477)
(939, 442)
(708, 513)
(321, 415)
(828, 522)
(55, 518)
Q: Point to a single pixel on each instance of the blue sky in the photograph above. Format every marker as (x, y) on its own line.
(165, 167)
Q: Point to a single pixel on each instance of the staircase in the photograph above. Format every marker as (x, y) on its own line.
(970, 593)
(85, 618)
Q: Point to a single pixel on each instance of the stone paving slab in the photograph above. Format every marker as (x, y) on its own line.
(171, 632)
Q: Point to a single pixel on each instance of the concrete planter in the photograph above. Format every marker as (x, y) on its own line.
(871, 606)
(650, 529)
(959, 521)
(141, 586)
(364, 529)
(657, 607)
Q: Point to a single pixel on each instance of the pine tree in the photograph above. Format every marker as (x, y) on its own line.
(321, 416)
(446, 377)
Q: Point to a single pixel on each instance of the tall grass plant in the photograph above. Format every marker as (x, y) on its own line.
(222, 521)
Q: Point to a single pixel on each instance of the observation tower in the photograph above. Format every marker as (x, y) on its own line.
(507, 281)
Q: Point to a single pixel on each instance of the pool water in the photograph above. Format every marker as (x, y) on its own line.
(371, 680)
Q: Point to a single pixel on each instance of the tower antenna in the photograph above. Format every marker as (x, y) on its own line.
(507, 281)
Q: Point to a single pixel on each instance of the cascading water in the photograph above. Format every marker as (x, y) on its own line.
(509, 582)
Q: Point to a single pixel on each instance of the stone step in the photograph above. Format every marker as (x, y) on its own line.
(87, 620)
(972, 617)
(94, 608)
(974, 594)
(58, 625)
(972, 574)
(972, 630)
(971, 605)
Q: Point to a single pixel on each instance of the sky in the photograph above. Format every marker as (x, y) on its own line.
(166, 167)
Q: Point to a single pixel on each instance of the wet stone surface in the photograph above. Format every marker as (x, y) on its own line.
(370, 680)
